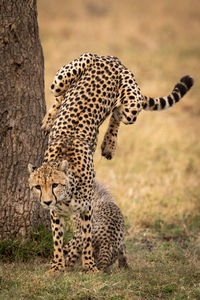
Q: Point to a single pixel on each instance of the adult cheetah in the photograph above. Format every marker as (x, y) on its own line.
(91, 87)
(87, 90)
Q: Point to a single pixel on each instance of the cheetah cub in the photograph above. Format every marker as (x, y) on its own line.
(108, 232)
(52, 182)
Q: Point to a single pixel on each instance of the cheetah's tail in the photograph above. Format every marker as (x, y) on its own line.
(178, 92)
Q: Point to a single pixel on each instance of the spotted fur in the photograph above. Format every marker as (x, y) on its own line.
(87, 90)
(91, 87)
(108, 233)
(53, 182)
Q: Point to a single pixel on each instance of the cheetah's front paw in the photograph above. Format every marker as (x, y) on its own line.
(56, 267)
(91, 270)
(90, 267)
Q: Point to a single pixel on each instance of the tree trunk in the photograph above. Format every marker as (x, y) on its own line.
(22, 107)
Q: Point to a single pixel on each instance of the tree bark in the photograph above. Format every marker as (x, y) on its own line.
(22, 107)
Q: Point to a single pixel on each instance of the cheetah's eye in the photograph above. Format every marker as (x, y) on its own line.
(54, 185)
(38, 187)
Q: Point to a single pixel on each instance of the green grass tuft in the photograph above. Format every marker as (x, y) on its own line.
(39, 244)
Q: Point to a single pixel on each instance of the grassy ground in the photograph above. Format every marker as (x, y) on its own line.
(161, 268)
(156, 171)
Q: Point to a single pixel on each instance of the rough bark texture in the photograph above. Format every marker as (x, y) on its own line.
(22, 107)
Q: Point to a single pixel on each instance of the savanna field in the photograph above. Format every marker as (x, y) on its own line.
(155, 173)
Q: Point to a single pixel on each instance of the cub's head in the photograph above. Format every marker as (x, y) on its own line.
(50, 183)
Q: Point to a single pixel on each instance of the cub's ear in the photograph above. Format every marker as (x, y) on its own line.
(31, 168)
(63, 166)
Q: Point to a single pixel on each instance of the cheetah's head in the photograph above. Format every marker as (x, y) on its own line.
(50, 183)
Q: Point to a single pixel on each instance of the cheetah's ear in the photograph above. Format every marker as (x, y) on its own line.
(31, 168)
(63, 166)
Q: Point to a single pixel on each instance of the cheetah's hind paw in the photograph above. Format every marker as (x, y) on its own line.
(108, 149)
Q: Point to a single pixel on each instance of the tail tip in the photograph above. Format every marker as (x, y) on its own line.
(188, 81)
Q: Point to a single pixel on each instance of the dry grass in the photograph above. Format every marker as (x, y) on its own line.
(155, 174)
(161, 270)
(159, 41)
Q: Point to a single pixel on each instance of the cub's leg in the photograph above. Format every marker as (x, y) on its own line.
(73, 250)
(109, 143)
(57, 225)
(50, 116)
(105, 256)
(122, 259)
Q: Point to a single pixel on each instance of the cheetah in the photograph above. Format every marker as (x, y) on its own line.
(108, 229)
(92, 87)
(108, 232)
(87, 90)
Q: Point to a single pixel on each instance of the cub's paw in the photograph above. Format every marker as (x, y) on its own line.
(69, 264)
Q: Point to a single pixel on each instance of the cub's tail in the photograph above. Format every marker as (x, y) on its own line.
(178, 92)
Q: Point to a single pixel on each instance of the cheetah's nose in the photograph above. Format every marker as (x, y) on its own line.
(47, 202)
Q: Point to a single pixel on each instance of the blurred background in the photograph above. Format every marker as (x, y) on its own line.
(155, 173)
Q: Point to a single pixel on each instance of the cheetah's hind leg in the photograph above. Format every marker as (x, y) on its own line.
(109, 143)
(50, 116)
